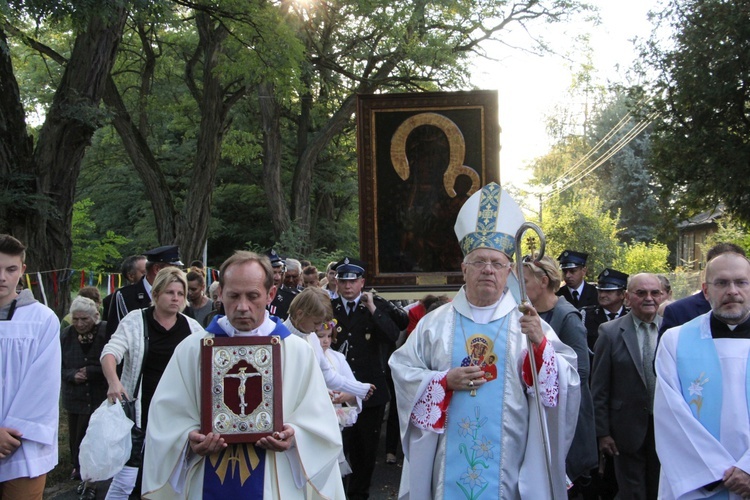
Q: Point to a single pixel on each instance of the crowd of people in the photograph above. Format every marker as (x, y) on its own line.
(604, 390)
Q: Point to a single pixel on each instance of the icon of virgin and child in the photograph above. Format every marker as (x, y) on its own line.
(480, 349)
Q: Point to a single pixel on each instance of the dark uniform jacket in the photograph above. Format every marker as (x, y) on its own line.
(363, 339)
(279, 306)
(83, 398)
(593, 317)
(588, 296)
(134, 297)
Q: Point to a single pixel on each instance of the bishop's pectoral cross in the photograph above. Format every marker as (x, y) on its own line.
(243, 376)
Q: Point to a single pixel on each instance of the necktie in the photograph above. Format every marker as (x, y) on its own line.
(350, 305)
(611, 316)
(648, 361)
(575, 297)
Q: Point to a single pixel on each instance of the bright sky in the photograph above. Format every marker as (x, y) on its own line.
(530, 86)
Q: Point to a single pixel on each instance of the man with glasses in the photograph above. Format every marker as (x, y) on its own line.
(622, 385)
(469, 359)
(692, 306)
(701, 403)
(576, 290)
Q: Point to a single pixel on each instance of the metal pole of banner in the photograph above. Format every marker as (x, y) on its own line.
(523, 307)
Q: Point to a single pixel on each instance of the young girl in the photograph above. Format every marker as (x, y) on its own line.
(347, 405)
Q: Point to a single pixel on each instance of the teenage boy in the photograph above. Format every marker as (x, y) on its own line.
(29, 381)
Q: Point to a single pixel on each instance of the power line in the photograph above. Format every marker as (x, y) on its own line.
(614, 149)
(571, 171)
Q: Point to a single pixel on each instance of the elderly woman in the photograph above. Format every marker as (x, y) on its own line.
(542, 279)
(144, 342)
(83, 384)
(308, 312)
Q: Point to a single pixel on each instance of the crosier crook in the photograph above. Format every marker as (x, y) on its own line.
(524, 307)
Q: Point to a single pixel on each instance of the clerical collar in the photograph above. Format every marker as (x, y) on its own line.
(720, 330)
(263, 330)
(484, 314)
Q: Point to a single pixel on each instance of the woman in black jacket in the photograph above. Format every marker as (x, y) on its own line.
(83, 384)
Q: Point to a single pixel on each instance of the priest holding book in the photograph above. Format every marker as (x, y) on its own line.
(298, 461)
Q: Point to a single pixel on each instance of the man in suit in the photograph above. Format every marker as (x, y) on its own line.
(681, 311)
(576, 290)
(622, 385)
(138, 295)
(610, 290)
(367, 326)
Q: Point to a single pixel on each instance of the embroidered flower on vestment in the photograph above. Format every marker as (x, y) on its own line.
(466, 426)
(483, 447)
(696, 390)
(473, 477)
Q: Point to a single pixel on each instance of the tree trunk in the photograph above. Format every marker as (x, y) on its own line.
(145, 164)
(63, 139)
(270, 115)
(215, 104)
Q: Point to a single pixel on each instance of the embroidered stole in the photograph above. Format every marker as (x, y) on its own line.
(474, 424)
(699, 371)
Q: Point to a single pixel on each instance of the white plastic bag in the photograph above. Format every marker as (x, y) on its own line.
(106, 446)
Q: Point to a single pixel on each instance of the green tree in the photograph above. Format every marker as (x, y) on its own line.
(640, 257)
(47, 166)
(91, 252)
(701, 90)
(584, 226)
(730, 231)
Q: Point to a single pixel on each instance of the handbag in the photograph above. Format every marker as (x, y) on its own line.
(137, 435)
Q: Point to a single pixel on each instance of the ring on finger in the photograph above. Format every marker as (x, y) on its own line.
(471, 383)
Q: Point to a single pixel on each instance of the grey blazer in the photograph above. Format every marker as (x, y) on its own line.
(618, 385)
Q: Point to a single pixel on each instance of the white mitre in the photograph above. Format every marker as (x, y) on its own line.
(489, 219)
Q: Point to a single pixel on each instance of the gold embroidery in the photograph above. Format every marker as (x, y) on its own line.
(233, 456)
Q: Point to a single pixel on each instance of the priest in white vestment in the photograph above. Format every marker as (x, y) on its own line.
(300, 461)
(467, 409)
(702, 399)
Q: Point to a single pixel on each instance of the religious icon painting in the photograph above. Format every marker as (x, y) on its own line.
(480, 350)
(241, 387)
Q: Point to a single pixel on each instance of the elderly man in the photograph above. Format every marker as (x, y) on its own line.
(491, 443)
(299, 461)
(622, 384)
(293, 276)
(701, 405)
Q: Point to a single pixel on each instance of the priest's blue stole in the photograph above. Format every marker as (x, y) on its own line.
(474, 425)
(238, 470)
(699, 371)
